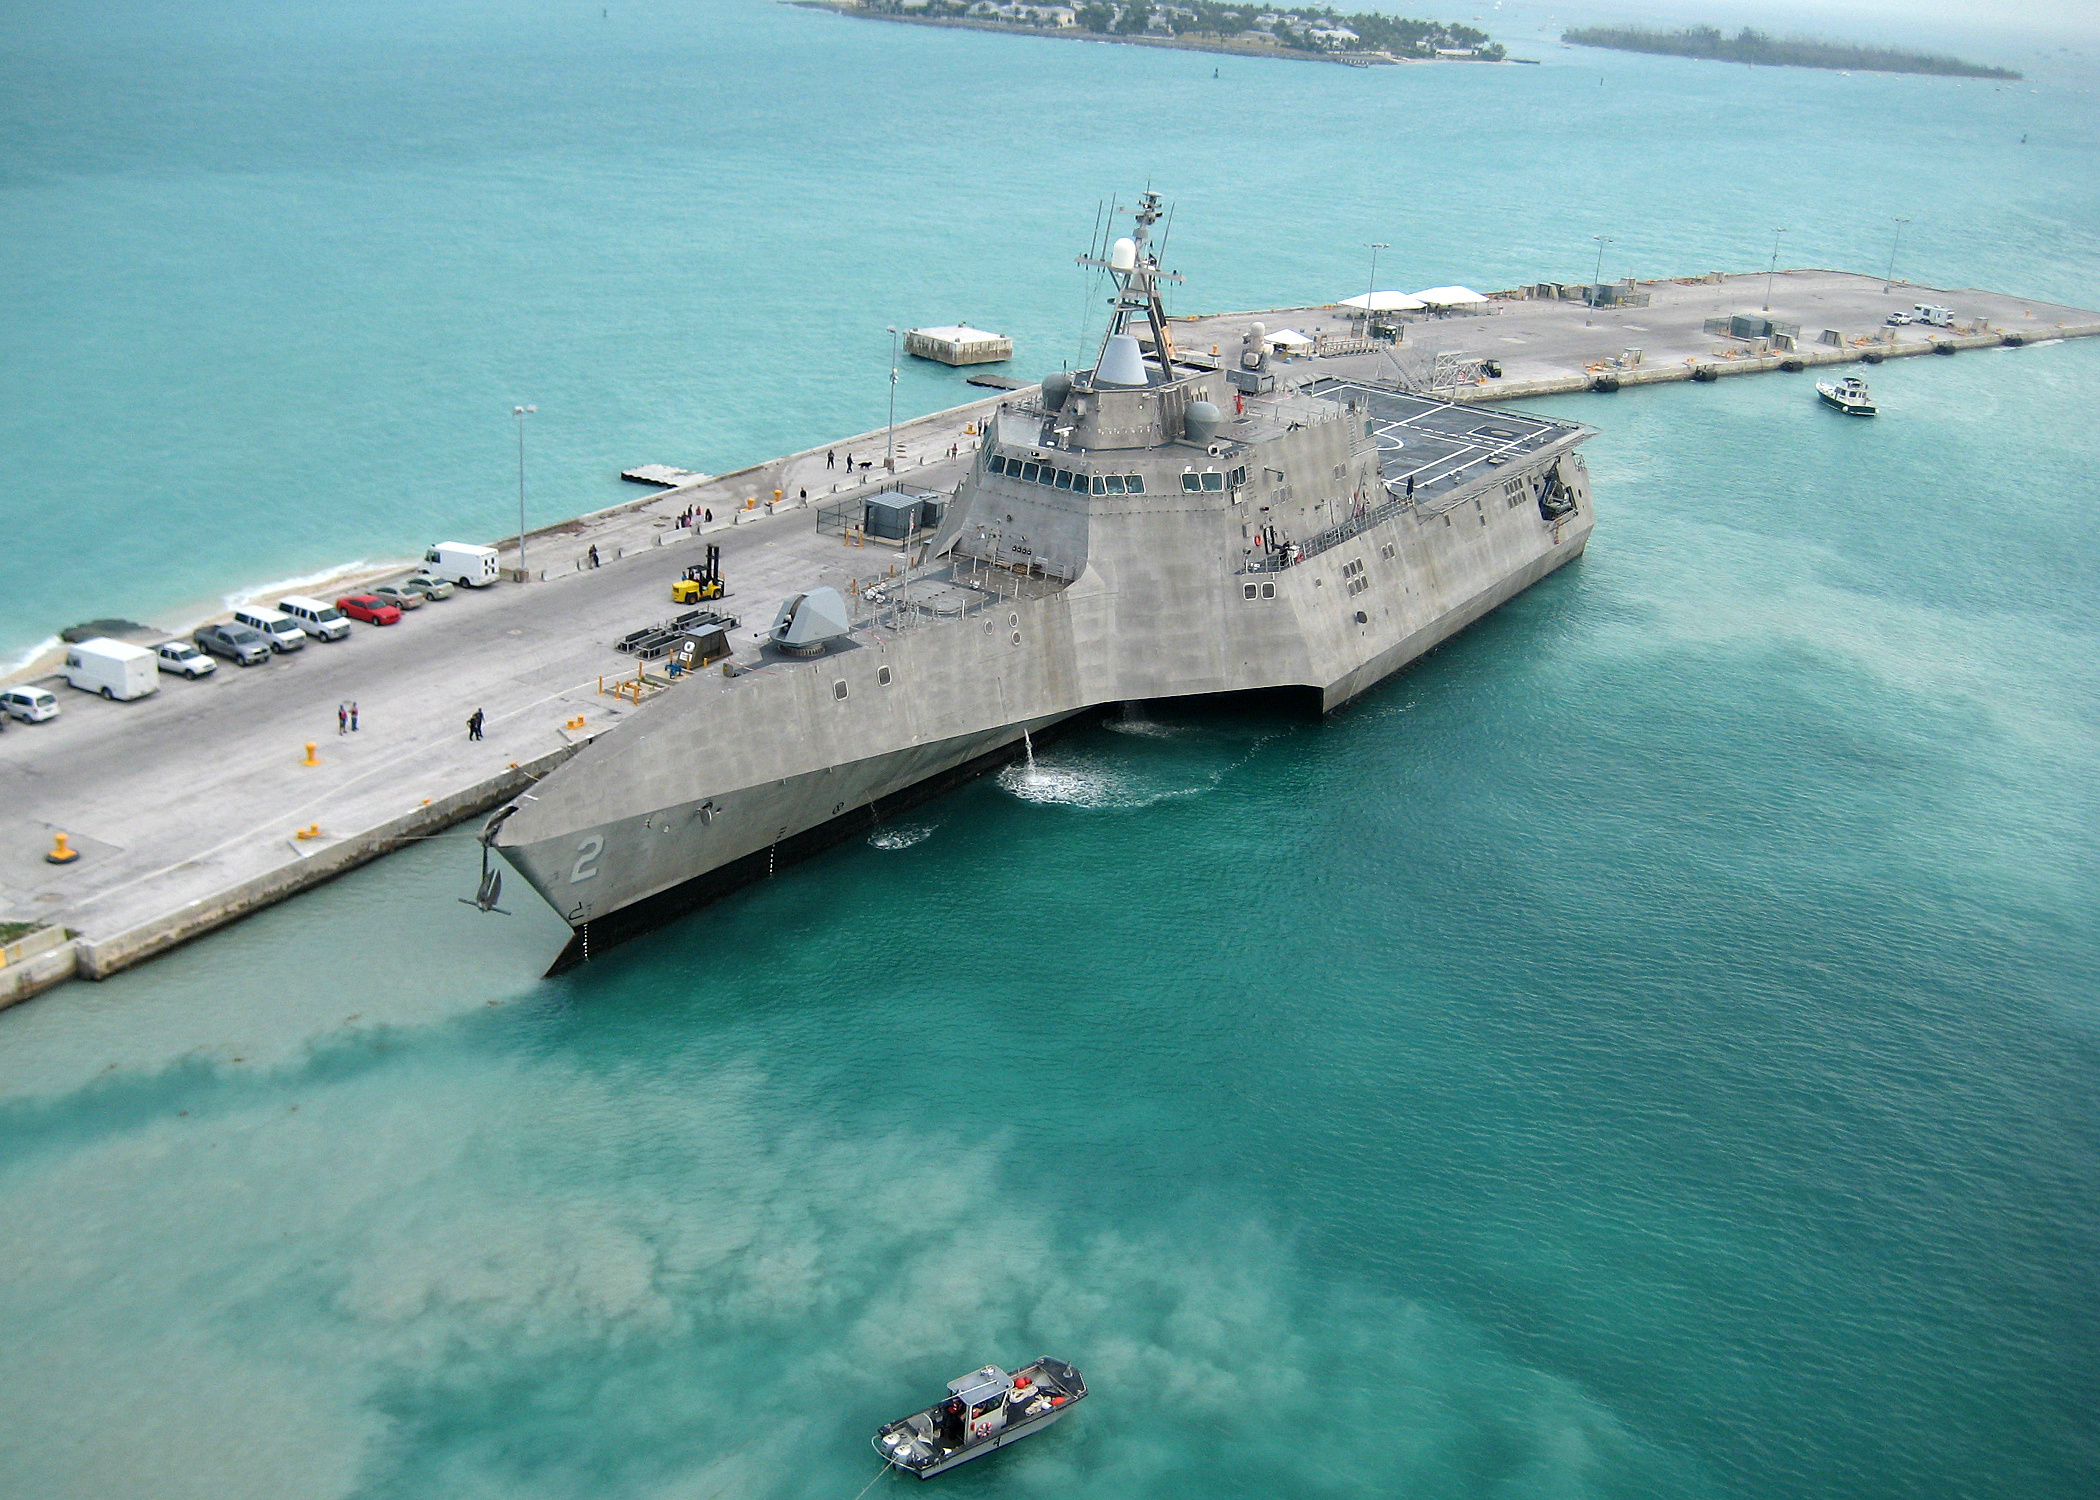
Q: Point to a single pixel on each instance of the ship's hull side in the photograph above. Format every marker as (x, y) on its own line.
(694, 859)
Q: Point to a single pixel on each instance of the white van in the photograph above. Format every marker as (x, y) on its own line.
(280, 630)
(1927, 313)
(462, 563)
(112, 668)
(319, 619)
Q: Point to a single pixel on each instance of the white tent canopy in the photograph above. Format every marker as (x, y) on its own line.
(1384, 302)
(1286, 338)
(1450, 296)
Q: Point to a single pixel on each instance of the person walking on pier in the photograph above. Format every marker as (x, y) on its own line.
(594, 554)
(831, 458)
(342, 718)
(353, 716)
(474, 725)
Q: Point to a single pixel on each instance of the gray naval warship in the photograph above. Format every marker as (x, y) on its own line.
(1161, 525)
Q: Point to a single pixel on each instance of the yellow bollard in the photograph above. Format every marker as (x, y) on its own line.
(59, 854)
(311, 758)
(311, 831)
(776, 496)
(752, 503)
(601, 684)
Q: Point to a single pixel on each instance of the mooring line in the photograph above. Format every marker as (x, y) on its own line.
(886, 1466)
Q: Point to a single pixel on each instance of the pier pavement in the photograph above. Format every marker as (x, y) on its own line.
(187, 805)
(1550, 347)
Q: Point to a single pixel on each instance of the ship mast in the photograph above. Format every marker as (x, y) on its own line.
(1137, 288)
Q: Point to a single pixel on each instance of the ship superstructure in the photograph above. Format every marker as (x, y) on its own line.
(1157, 526)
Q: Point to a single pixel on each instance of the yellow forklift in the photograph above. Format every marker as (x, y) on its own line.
(701, 581)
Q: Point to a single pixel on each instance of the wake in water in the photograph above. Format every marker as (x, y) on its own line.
(900, 836)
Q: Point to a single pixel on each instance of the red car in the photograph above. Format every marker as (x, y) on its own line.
(370, 608)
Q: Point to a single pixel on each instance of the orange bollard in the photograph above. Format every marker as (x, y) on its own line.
(59, 853)
(311, 758)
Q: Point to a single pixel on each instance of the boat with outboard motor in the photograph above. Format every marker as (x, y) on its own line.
(985, 1409)
(1849, 396)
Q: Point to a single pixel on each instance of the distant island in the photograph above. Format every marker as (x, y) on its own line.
(1764, 51)
(1363, 40)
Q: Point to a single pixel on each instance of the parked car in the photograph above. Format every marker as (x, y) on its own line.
(1898, 318)
(370, 608)
(401, 598)
(29, 704)
(321, 621)
(237, 643)
(183, 659)
(429, 585)
(278, 628)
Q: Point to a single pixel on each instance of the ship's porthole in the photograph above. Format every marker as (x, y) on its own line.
(838, 690)
(1250, 590)
(882, 675)
(1268, 591)
(1017, 637)
(1013, 620)
(1362, 618)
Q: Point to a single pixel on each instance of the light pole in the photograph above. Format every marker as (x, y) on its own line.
(521, 413)
(889, 458)
(1889, 280)
(1774, 271)
(1371, 292)
(1597, 277)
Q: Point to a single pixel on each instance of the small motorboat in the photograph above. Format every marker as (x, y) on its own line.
(1849, 396)
(985, 1409)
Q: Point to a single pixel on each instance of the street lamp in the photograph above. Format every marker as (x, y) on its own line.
(1774, 271)
(1597, 277)
(1889, 280)
(889, 459)
(1371, 292)
(521, 413)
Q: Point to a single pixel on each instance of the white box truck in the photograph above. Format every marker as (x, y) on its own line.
(112, 668)
(462, 563)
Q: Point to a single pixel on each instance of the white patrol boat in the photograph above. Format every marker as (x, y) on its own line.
(1849, 396)
(985, 1409)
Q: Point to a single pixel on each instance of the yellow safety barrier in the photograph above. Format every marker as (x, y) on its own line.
(59, 853)
(311, 758)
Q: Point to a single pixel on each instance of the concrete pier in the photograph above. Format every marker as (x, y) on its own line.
(198, 805)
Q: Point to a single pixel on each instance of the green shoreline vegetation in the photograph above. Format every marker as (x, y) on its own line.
(1314, 33)
(1760, 50)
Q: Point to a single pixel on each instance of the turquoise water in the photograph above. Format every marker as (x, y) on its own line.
(1647, 1049)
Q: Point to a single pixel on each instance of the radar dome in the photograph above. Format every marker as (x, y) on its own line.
(1056, 386)
(1201, 421)
(1122, 363)
(1122, 255)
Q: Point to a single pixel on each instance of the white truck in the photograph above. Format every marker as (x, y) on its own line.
(112, 668)
(462, 563)
(1932, 315)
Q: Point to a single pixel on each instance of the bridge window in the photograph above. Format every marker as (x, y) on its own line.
(1114, 483)
(1064, 479)
(1100, 485)
(1133, 484)
(1028, 473)
(1192, 482)
(1214, 481)
(1046, 475)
